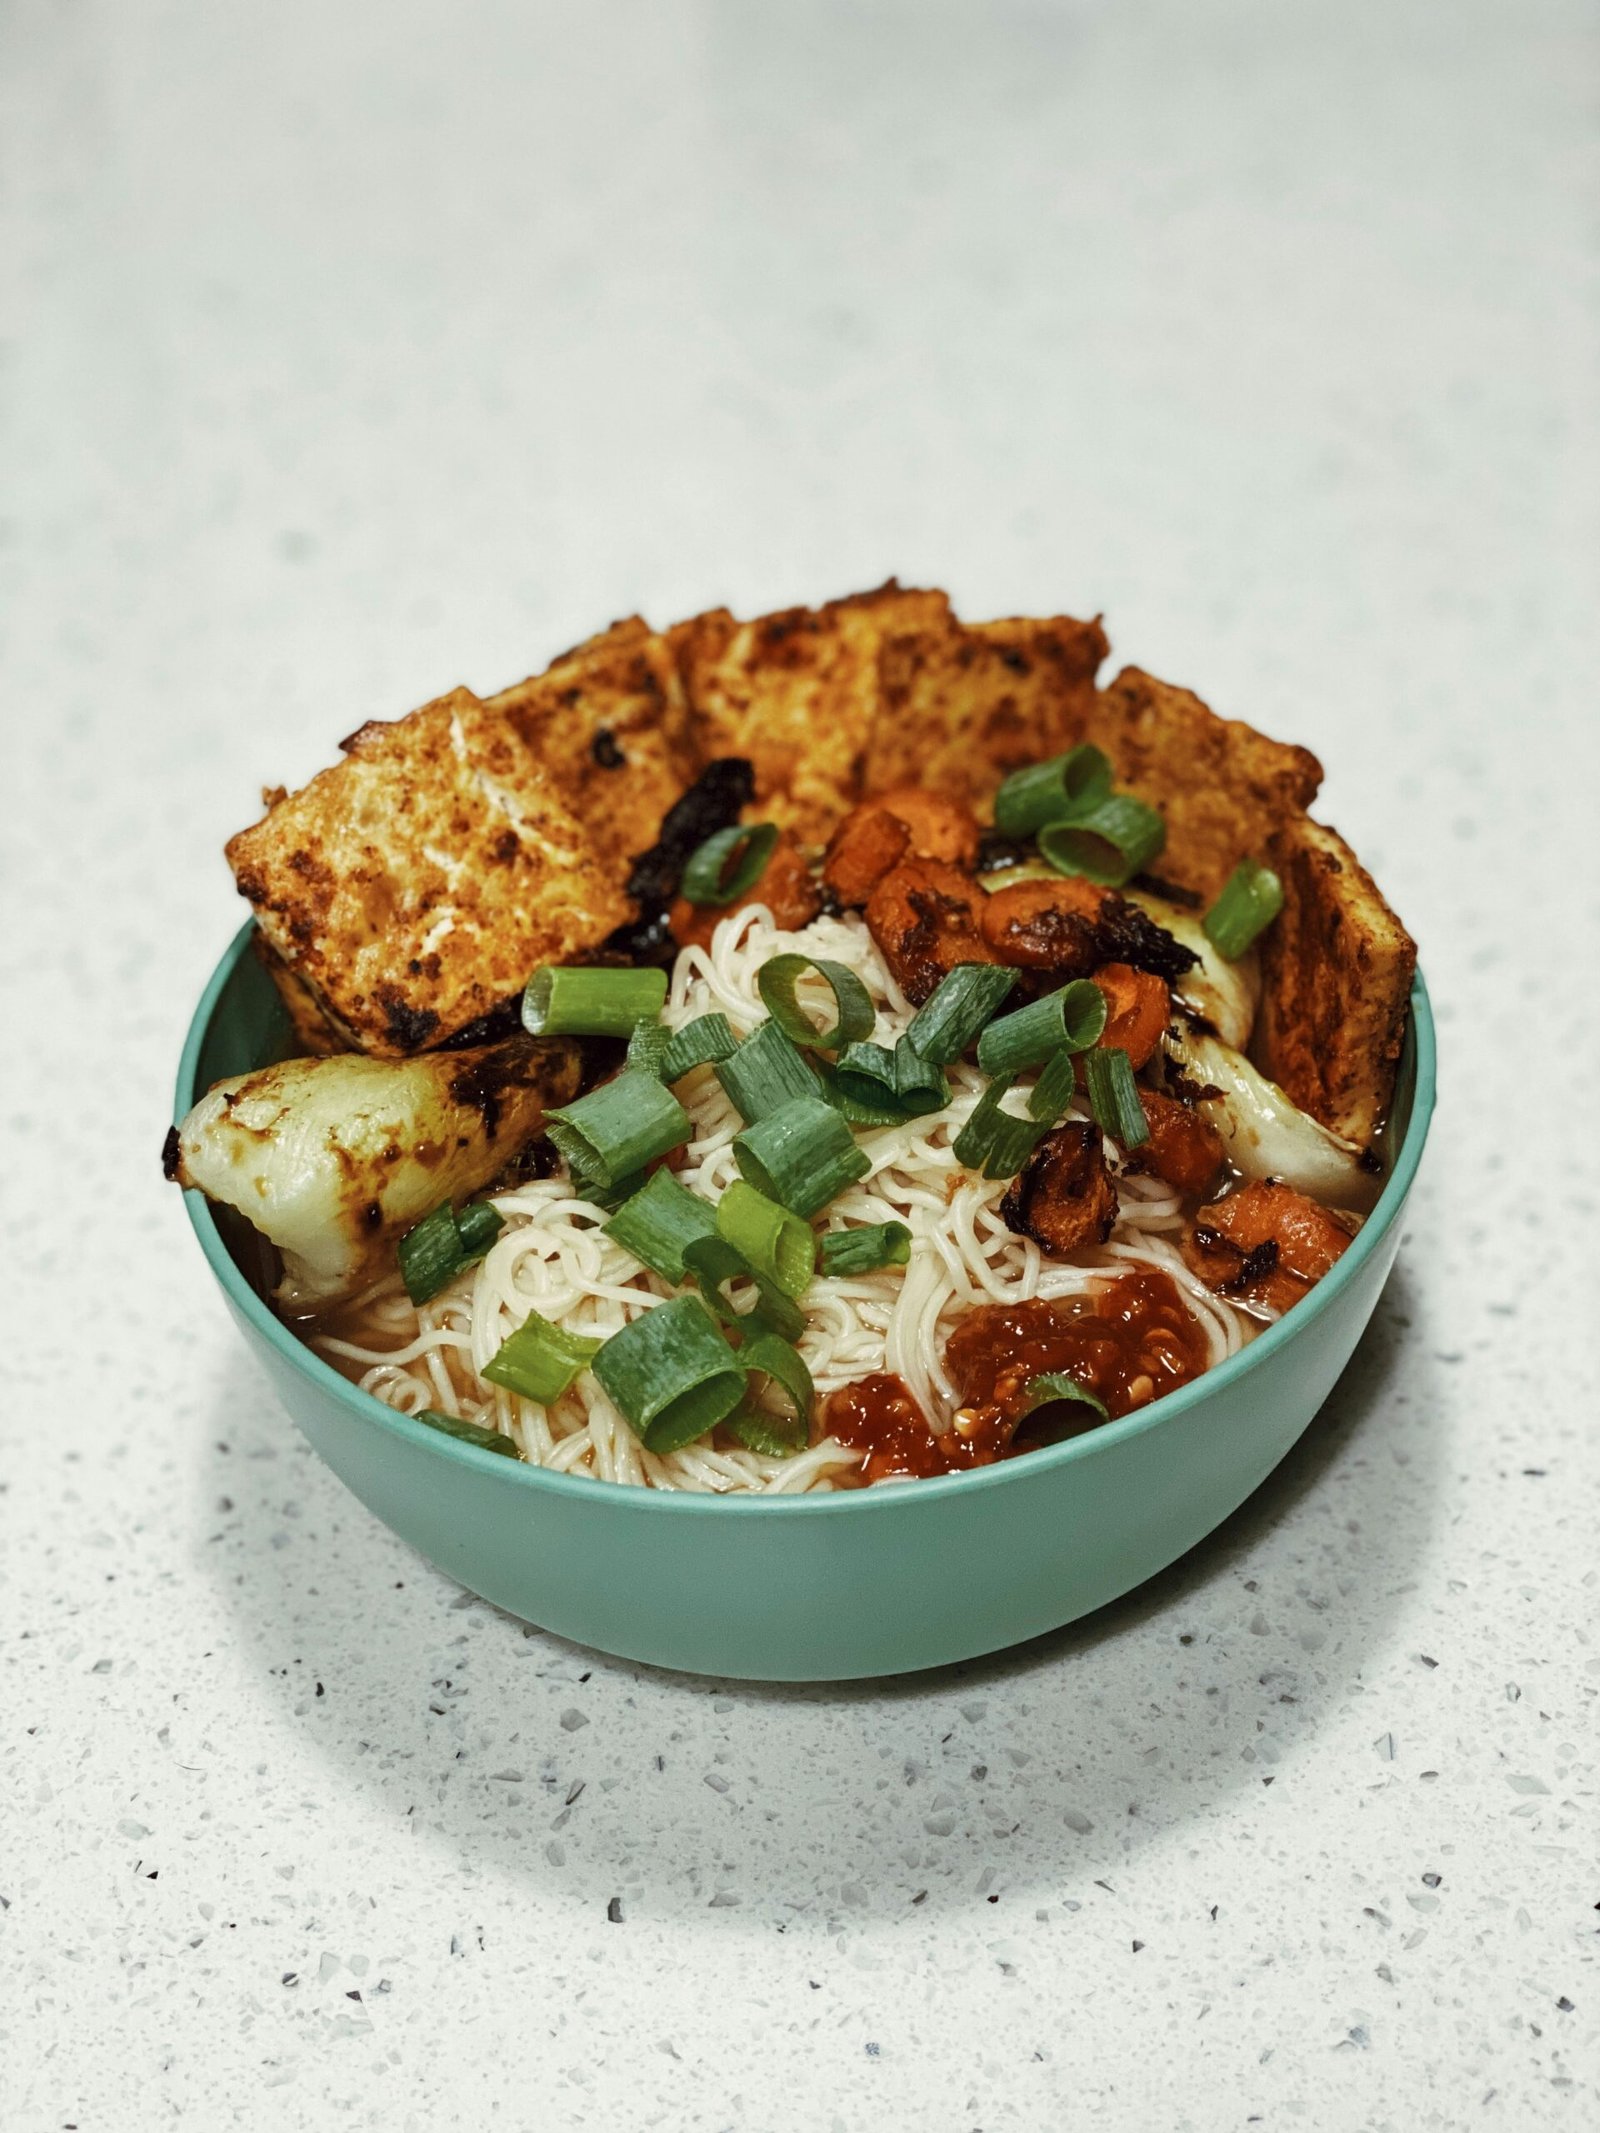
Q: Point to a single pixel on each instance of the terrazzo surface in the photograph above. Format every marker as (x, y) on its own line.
(353, 353)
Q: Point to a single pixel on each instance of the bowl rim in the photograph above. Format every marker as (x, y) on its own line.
(845, 1503)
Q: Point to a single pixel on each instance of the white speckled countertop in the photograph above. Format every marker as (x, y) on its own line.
(355, 351)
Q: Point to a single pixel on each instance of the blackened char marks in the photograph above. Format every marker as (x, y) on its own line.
(713, 802)
(1128, 935)
(171, 1155)
(409, 1027)
(491, 1027)
(605, 751)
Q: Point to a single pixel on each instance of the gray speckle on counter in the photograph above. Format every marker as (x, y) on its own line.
(353, 354)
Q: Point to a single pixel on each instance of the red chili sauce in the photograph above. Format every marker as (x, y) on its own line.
(1130, 1342)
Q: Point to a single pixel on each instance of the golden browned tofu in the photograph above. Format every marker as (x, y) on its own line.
(1336, 969)
(963, 704)
(609, 725)
(414, 886)
(1223, 788)
(797, 693)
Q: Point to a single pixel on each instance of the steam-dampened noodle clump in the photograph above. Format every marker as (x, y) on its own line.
(802, 1054)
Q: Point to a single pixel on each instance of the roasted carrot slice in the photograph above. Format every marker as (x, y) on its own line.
(1137, 1010)
(924, 919)
(865, 846)
(1183, 1149)
(1063, 1197)
(1265, 1243)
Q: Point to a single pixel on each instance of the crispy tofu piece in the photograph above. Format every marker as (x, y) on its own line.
(609, 724)
(414, 886)
(1223, 788)
(797, 693)
(1336, 969)
(964, 704)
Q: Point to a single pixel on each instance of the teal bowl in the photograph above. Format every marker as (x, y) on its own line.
(822, 1588)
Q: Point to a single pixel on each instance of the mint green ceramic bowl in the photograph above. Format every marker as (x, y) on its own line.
(877, 1581)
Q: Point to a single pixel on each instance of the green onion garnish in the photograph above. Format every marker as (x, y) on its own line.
(1108, 843)
(800, 1156)
(1053, 1092)
(777, 980)
(618, 1128)
(647, 1048)
(994, 1141)
(1251, 899)
(671, 1374)
(963, 1002)
(765, 1073)
(487, 1440)
(777, 1244)
(1053, 791)
(1114, 1096)
(1068, 1020)
(920, 1085)
(433, 1252)
(1053, 1385)
(729, 864)
(784, 1366)
(866, 1248)
(714, 1262)
(698, 1043)
(660, 1219)
(558, 1002)
(861, 1099)
(539, 1360)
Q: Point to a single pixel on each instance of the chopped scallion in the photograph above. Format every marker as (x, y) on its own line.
(1251, 899)
(478, 1226)
(1052, 1386)
(647, 1048)
(800, 1156)
(1053, 1092)
(700, 1042)
(659, 1220)
(777, 982)
(618, 1128)
(765, 1073)
(433, 1252)
(965, 999)
(714, 1263)
(782, 1365)
(559, 1002)
(671, 1374)
(1108, 843)
(540, 1361)
(993, 1140)
(866, 1248)
(487, 1440)
(1053, 791)
(1114, 1096)
(1068, 1020)
(729, 864)
(777, 1244)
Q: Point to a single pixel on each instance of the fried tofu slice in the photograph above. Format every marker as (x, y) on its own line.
(964, 704)
(1336, 970)
(413, 887)
(797, 692)
(609, 724)
(1223, 788)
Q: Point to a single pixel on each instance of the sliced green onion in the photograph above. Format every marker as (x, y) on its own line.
(1068, 1020)
(433, 1252)
(1053, 791)
(618, 1128)
(1251, 899)
(698, 1043)
(994, 1141)
(658, 1221)
(647, 1048)
(919, 1084)
(558, 1002)
(765, 1073)
(861, 1100)
(965, 999)
(671, 1374)
(1108, 843)
(714, 1262)
(759, 1431)
(782, 1365)
(800, 1156)
(1114, 1096)
(487, 1440)
(777, 981)
(1053, 1385)
(729, 864)
(539, 1360)
(478, 1226)
(777, 1244)
(879, 1087)
(1054, 1090)
(866, 1248)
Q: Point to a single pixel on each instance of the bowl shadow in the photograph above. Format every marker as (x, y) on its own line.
(1030, 1773)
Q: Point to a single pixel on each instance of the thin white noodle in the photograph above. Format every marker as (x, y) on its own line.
(554, 1258)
